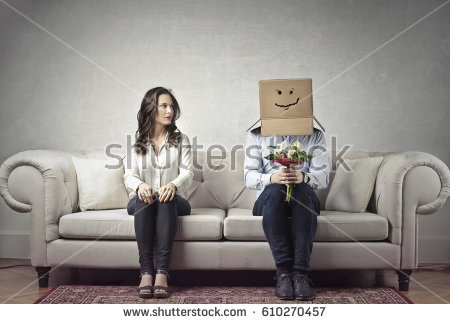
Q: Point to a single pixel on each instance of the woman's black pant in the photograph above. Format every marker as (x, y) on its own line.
(156, 222)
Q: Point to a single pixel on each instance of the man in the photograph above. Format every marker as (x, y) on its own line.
(289, 227)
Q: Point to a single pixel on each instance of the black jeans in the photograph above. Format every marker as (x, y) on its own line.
(156, 221)
(289, 228)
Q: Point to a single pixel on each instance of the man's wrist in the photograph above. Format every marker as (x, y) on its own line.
(265, 180)
(306, 178)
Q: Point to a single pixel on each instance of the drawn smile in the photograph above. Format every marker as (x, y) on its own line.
(286, 107)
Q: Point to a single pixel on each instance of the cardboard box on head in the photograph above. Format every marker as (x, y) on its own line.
(286, 107)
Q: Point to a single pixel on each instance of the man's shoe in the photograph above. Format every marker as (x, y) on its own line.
(302, 287)
(284, 288)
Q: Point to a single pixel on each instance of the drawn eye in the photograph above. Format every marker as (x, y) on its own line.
(291, 92)
(279, 92)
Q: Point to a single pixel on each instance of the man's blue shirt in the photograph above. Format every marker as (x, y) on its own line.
(257, 169)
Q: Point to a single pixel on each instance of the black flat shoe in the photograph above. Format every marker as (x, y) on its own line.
(302, 287)
(145, 291)
(284, 289)
(161, 291)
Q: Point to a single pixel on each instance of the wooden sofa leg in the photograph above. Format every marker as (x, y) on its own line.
(43, 274)
(403, 279)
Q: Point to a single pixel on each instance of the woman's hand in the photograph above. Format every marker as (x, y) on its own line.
(167, 192)
(146, 193)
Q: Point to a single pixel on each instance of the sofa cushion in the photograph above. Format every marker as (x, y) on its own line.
(331, 226)
(351, 190)
(202, 224)
(99, 187)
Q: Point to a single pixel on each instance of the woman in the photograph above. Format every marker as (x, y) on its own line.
(157, 174)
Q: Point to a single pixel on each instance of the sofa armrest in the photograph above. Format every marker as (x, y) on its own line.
(410, 183)
(44, 183)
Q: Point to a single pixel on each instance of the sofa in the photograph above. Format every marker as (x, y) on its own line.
(221, 233)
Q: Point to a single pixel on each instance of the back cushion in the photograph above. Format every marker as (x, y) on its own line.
(219, 181)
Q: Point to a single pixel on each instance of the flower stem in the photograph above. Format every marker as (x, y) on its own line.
(288, 193)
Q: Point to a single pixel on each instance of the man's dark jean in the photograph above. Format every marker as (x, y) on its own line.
(289, 228)
(156, 222)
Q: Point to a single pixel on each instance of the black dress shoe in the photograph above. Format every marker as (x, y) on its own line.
(284, 288)
(302, 287)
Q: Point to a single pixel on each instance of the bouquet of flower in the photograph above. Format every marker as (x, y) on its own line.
(288, 155)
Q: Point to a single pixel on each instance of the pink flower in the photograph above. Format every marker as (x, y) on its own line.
(287, 162)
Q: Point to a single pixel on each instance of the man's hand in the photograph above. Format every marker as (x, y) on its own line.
(146, 193)
(167, 192)
(287, 176)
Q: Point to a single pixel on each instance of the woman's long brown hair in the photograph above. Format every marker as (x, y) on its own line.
(146, 120)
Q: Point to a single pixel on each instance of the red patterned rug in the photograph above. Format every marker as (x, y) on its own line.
(217, 295)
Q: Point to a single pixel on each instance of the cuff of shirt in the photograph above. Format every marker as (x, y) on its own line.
(265, 179)
(177, 184)
(312, 181)
(134, 183)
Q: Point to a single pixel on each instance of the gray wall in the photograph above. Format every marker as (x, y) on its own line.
(83, 91)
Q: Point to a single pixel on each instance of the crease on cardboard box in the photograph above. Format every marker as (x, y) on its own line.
(315, 118)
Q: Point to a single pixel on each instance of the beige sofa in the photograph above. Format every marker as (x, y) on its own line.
(221, 232)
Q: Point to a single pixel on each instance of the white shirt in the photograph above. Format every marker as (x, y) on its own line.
(172, 165)
(257, 169)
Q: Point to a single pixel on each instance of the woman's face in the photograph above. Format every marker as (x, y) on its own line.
(164, 112)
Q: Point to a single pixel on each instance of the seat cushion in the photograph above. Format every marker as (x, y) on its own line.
(331, 226)
(202, 224)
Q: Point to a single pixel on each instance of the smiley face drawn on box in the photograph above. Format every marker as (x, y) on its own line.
(287, 98)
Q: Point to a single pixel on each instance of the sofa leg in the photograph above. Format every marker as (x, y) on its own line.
(403, 279)
(43, 274)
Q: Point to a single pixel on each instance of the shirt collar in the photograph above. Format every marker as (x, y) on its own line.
(165, 140)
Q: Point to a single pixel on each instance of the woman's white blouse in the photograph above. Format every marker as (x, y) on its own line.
(172, 165)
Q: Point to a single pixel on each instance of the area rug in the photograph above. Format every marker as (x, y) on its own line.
(68, 294)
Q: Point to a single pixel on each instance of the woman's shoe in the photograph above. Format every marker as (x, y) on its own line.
(161, 291)
(145, 291)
